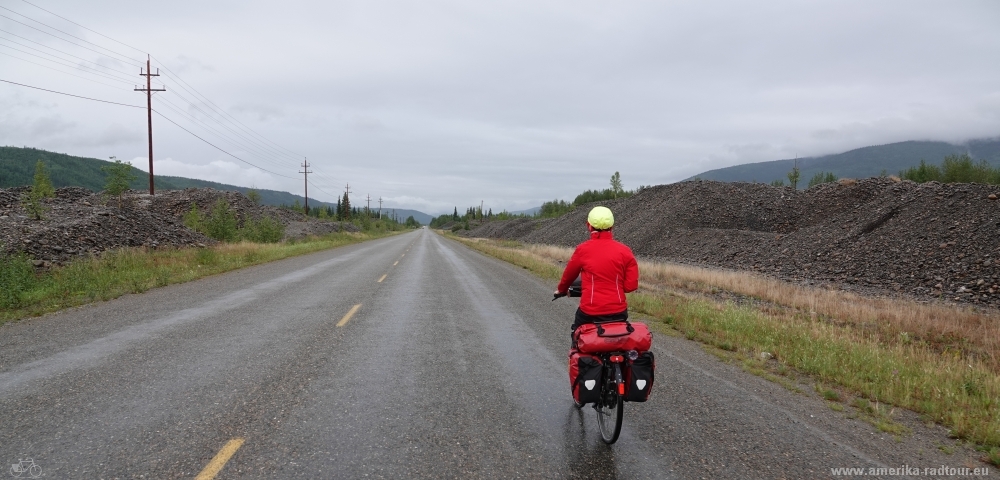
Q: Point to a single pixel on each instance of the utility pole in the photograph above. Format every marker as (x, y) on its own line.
(149, 111)
(305, 170)
(368, 208)
(380, 208)
(347, 195)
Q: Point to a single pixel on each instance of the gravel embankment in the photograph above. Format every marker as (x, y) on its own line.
(80, 222)
(873, 235)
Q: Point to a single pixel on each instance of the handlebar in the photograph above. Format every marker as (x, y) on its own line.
(574, 290)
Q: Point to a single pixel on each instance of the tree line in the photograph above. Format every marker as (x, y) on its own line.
(954, 169)
(549, 209)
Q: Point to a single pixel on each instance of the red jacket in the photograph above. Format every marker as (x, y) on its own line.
(608, 271)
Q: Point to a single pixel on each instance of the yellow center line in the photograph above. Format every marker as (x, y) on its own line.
(215, 466)
(397, 263)
(350, 313)
(403, 255)
(383, 278)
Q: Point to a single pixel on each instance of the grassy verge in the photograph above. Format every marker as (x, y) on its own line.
(136, 270)
(860, 345)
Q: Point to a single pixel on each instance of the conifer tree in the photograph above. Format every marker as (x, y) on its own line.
(40, 190)
(346, 207)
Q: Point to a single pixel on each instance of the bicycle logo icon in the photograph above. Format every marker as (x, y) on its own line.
(22, 466)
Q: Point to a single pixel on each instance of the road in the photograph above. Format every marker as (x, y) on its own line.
(410, 356)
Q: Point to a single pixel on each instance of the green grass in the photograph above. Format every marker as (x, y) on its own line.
(137, 270)
(961, 394)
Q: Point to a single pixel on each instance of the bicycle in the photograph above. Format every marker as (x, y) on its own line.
(22, 466)
(611, 406)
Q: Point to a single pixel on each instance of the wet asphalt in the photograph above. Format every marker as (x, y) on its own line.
(454, 365)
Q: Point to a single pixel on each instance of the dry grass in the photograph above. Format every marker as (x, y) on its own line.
(945, 328)
(136, 270)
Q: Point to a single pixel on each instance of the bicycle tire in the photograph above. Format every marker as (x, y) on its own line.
(609, 412)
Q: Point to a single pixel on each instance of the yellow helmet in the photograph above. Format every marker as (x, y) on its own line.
(601, 218)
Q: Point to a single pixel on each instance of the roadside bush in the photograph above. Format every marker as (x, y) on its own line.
(16, 277)
(33, 200)
(265, 230)
(221, 223)
(120, 175)
(193, 219)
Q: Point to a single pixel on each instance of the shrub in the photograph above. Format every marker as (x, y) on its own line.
(33, 200)
(778, 183)
(221, 223)
(193, 219)
(120, 175)
(264, 230)
(254, 196)
(16, 277)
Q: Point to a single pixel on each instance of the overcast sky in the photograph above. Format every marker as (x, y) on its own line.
(436, 104)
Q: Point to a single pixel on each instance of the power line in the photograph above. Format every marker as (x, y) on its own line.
(70, 94)
(253, 143)
(83, 27)
(220, 117)
(158, 113)
(324, 191)
(60, 71)
(97, 73)
(57, 50)
(185, 86)
(171, 74)
(172, 106)
(219, 149)
(64, 33)
(263, 154)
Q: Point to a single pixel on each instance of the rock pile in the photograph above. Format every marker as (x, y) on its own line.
(80, 222)
(874, 235)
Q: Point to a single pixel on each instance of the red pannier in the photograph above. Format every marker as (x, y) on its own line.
(613, 337)
(585, 376)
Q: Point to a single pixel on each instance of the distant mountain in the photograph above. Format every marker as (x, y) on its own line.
(860, 163)
(402, 213)
(530, 211)
(17, 167)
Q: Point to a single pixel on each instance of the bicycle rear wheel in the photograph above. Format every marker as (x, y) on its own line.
(609, 413)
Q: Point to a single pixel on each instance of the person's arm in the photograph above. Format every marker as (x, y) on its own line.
(572, 271)
(631, 273)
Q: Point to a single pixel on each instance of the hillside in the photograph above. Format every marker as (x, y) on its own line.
(859, 163)
(927, 240)
(17, 168)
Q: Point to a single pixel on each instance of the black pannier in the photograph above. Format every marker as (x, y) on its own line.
(640, 378)
(585, 376)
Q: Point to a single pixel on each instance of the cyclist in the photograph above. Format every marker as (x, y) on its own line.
(607, 270)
